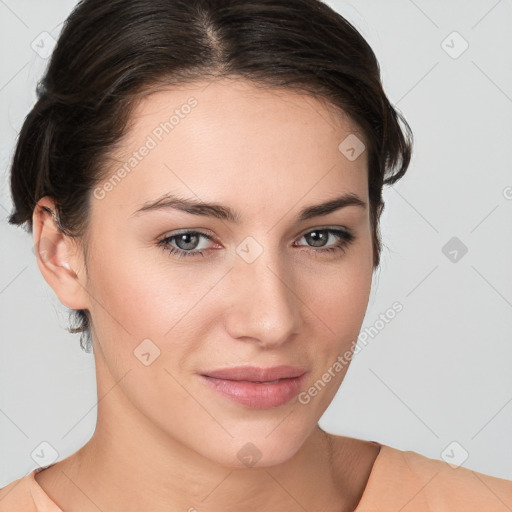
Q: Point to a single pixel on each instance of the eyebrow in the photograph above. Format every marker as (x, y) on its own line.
(195, 207)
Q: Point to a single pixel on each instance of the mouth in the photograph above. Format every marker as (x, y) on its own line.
(257, 388)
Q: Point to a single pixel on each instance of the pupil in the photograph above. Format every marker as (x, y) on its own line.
(318, 238)
(183, 241)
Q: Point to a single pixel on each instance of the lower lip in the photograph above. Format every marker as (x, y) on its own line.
(257, 395)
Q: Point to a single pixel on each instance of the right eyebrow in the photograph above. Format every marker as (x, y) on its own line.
(190, 205)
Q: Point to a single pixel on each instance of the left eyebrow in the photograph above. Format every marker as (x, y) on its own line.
(195, 207)
(330, 206)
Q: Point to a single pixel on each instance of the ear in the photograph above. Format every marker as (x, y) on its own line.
(59, 257)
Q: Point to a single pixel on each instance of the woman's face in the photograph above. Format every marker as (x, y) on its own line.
(265, 288)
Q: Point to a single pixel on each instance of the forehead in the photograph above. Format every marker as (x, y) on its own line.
(236, 107)
(241, 98)
(210, 139)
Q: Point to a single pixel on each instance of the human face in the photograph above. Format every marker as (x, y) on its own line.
(257, 290)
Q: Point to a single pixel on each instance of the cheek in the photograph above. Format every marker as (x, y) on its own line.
(344, 306)
(146, 295)
(337, 302)
(338, 293)
(337, 305)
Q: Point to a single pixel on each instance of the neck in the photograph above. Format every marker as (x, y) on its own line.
(160, 474)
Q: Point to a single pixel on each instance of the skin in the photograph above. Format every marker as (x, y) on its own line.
(164, 440)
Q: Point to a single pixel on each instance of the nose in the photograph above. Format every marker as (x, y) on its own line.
(263, 305)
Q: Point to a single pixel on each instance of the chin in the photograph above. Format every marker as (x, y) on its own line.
(262, 448)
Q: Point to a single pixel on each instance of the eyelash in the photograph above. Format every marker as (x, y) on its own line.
(346, 238)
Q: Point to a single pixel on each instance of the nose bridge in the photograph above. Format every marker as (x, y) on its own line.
(264, 306)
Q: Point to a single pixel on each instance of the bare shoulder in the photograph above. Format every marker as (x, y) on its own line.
(16, 496)
(457, 485)
(407, 478)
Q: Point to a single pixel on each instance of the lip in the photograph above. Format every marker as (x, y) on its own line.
(257, 388)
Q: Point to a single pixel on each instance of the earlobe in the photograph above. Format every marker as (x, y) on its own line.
(57, 256)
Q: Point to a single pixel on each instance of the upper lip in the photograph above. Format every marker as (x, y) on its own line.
(256, 374)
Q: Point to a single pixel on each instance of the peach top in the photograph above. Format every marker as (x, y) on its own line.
(402, 481)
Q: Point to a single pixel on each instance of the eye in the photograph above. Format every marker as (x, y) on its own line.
(319, 238)
(186, 242)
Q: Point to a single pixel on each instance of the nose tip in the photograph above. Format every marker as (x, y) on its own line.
(264, 307)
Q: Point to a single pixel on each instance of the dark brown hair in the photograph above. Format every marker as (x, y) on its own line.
(111, 53)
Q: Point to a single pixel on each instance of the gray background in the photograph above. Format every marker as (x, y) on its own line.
(436, 379)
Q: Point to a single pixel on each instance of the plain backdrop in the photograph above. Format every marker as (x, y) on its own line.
(436, 378)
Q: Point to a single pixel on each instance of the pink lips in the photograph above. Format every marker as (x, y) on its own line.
(258, 388)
